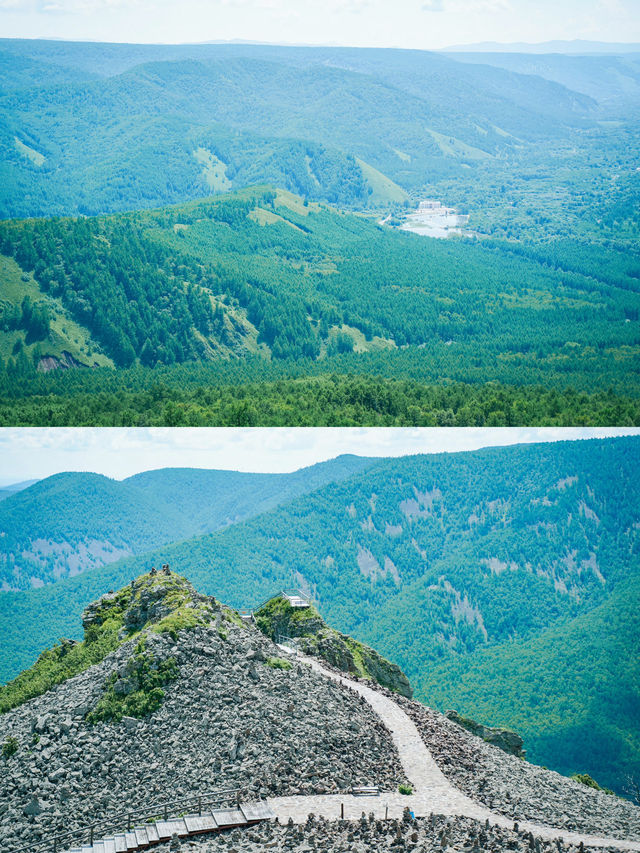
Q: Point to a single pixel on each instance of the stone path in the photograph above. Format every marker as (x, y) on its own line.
(432, 790)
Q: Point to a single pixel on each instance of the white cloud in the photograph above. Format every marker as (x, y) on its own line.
(34, 453)
(91, 7)
(466, 7)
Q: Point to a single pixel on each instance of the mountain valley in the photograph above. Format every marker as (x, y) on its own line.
(210, 214)
(505, 567)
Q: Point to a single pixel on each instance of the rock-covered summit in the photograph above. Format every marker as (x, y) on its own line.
(171, 695)
(187, 698)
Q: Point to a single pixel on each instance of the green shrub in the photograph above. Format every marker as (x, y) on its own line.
(405, 789)
(59, 663)
(590, 782)
(585, 779)
(9, 747)
(148, 675)
(278, 663)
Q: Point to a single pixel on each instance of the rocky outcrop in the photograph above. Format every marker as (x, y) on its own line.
(65, 361)
(517, 789)
(314, 637)
(232, 717)
(504, 739)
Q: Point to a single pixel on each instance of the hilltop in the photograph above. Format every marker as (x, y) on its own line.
(180, 695)
(310, 633)
(187, 698)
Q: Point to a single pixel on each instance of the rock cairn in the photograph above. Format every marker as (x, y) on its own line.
(516, 788)
(435, 834)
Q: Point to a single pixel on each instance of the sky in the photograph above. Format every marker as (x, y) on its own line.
(33, 453)
(420, 24)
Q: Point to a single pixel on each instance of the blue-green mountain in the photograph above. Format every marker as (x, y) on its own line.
(504, 582)
(68, 523)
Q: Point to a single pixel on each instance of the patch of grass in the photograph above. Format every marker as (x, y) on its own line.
(232, 616)
(183, 619)
(268, 217)
(147, 675)
(453, 147)
(383, 188)
(278, 663)
(405, 789)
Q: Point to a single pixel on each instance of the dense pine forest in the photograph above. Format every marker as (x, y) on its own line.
(291, 289)
(200, 223)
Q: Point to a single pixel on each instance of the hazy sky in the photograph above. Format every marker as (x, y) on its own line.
(29, 453)
(420, 24)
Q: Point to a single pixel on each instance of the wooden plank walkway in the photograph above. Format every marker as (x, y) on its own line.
(144, 837)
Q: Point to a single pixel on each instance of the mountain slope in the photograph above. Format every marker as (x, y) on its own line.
(70, 522)
(432, 560)
(191, 700)
(329, 105)
(189, 697)
(612, 80)
(590, 717)
(259, 272)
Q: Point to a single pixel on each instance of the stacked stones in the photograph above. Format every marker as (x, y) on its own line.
(435, 834)
(513, 787)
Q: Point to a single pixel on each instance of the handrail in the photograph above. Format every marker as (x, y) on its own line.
(99, 828)
(297, 592)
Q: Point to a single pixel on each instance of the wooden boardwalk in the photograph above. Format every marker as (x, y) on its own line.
(187, 826)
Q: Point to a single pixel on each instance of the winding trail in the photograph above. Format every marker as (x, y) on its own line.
(433, 793)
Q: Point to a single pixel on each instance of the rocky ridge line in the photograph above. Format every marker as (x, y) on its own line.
(235, 716)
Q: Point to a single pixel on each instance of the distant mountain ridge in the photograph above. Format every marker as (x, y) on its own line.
(68, 523)
(257, 103)
(612, 79)
(574, 46)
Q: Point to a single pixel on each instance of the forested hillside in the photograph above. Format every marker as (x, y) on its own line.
(169, 123)
(68, 523)
(542, 289)
(443, 563)
(613, 81)
(261, 272)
